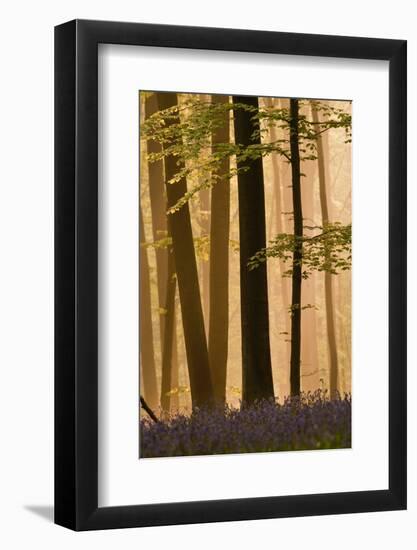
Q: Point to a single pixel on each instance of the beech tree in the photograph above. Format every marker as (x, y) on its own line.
(147, 352)
(186, 266)
(331, 329)
(157, 198)
(257, 382)
(219, 261)
(168, 341)
(165, 268)
(295, 370)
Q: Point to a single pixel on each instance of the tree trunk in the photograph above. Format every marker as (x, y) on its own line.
(257, 382)
(204, 263)
(146, 332)
(279, 228)
(175, 402)
(298, 252)
(204, 222)
(328, 289)
(187, 276)
(159, 216)
(168, 342)
(158, 202)
(310, 377)
(219, 265)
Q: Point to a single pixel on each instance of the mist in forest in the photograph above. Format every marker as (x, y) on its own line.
(245, 266)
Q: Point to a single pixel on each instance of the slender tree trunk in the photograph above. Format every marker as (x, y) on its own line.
(298, 252)
(257, 382)
(159, 218)
(146, 332)
(204, 221)
(279, 225)
(219, 265)
(309, 349)
(328, 290)
(175, 402)
(343, 319)
(282, 318)
(279, 228)
(204, 263)
(158, 202)
(168, 342)
(187, 276)
(285, 226)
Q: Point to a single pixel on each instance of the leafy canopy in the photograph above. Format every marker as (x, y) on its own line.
(184, 131)
(329, 250)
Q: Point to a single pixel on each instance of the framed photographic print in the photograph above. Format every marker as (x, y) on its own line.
(230, 253)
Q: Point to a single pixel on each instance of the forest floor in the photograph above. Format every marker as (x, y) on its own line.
(311, 421)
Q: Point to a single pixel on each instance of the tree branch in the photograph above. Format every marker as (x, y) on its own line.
(146, 407)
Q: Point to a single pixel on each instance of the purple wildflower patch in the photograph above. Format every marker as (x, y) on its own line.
(311, 421)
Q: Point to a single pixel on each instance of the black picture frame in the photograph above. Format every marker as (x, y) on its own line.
(76, 272)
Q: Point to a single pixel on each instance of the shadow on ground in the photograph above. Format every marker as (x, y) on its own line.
(45, 512)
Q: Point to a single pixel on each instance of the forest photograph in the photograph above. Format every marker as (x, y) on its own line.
(245, 254)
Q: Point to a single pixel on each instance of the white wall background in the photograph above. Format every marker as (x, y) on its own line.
(26, 273)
